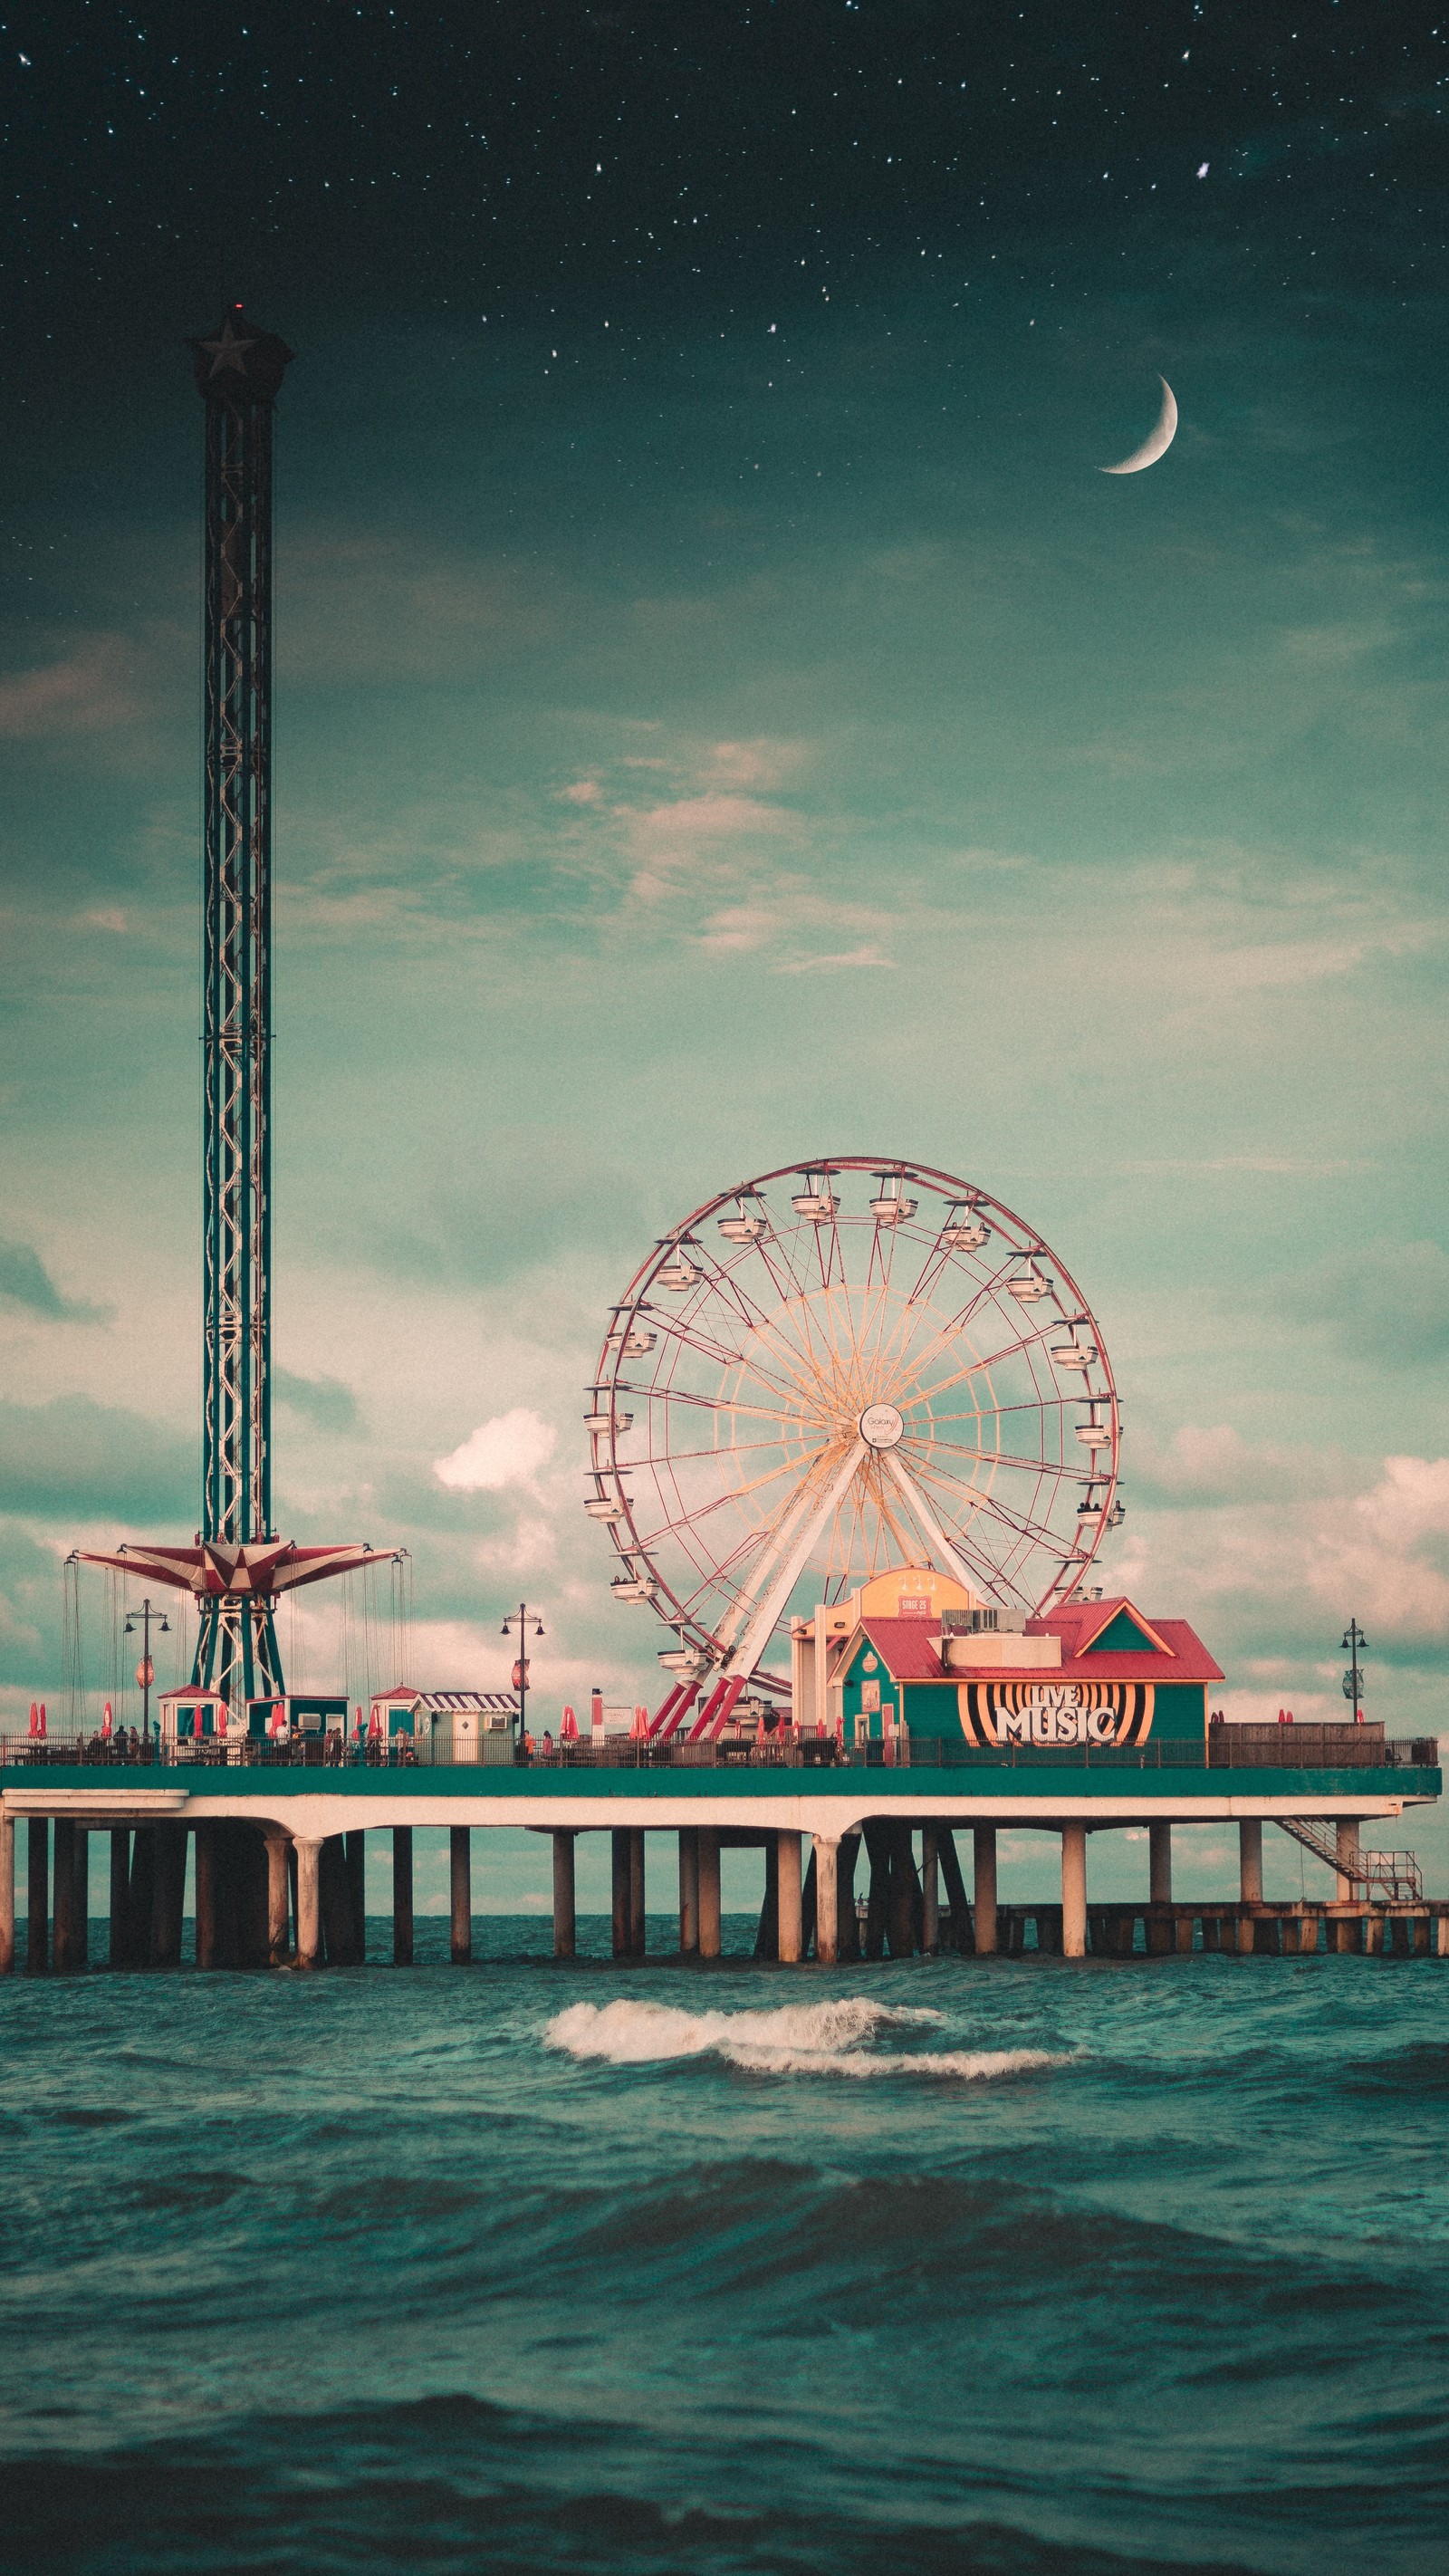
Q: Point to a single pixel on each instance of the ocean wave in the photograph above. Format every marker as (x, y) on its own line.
(794, 2039)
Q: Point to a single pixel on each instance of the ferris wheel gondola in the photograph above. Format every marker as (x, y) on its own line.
(834, 1368)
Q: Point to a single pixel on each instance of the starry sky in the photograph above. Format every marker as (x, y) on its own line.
(724, 714)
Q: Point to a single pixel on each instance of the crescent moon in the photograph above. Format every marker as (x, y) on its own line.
(1155, 446)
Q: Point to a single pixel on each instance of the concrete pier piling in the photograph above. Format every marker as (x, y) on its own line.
(767, 1935)
(120, 1895)
(168, 1895)
(619, 1893)
(205, 1894)
(81, 1879)
(1074, 1891)
(1346, 1842)
(565, 1916)
(788, 1898)
(37, 1900)
(141, 1900)
(709, 1903)
(903, 1896)
(1250, 1861)
(636, 1892)
(689, 1891)
(7, 1896)
(63, 1899)
(308, 1851)
(357, 1894)
(984, 1914)
(627, 1891)
(279, 1893)
(962, 1939)
(1159, 1864)
(402, 1896)
(335, 1897)
(930, 1892)
(460, 1895)
(847, 1925)
(827, 1901)
(878, 1852)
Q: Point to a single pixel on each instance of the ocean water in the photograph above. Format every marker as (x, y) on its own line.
(932, 2267)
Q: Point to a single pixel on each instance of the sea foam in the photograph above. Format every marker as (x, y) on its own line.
(795, 2039)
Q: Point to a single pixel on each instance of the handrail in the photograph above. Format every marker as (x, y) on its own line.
(1397, 1872)
(793, 1752)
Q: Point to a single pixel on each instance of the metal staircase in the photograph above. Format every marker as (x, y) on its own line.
(1394, 1877)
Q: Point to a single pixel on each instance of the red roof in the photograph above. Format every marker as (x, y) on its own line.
(908, 1649)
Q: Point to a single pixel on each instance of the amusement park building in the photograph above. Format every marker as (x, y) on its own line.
(915, 1650)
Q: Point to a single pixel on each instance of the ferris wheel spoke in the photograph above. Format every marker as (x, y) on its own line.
(786, 1333)
(723, 1502)
(957, 1323)
(776, 1579)
(800, 1360)
(690, 1336)
(719, 1404)
(986, 1499)
(988, 1360)
(1000, 1461)
(958, 1557)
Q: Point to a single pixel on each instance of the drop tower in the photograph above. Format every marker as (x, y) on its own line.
(238, 1565)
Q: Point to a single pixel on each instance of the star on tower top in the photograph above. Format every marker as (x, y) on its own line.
(227, 350)
(239, 366)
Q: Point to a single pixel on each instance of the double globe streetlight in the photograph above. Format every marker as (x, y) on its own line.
(520, 1669)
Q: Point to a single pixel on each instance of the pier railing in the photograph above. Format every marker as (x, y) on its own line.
(1299, 1748)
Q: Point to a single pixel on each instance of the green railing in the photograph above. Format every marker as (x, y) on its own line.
(1300, 1748)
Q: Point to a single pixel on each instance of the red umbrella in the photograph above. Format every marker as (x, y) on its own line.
(569, 1728)
(640, 1727)
(34, 1719)
(40, 1730)
(374, 1723)
(107, 1722)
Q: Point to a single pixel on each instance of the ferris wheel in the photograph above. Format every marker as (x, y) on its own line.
(839, 1367)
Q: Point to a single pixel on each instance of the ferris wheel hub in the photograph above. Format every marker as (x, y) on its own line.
(882, 1426)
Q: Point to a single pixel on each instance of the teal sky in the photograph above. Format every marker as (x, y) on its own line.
(726, 717)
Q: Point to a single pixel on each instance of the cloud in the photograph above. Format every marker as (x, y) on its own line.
(322, 1400)
(90, 690)
(1294, 1545)
(79, 1460)
(508, 1450)
(26, 1283)
(759, 763)
(692, 832)
(833, 960)
(1218, 1466)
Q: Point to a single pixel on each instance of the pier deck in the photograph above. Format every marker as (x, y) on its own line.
(279, 1845)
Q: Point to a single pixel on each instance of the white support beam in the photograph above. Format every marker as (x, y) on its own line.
(930, 1527)
(744, 1657)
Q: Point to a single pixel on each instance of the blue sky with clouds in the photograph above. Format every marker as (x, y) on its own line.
(723, 714)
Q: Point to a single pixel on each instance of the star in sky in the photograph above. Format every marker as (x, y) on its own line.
(228, 351)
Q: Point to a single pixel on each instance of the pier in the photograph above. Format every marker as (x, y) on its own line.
(861, 1857)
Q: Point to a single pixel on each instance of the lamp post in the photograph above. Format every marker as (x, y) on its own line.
(1355, 1644)
(146, 1670)
(520, 1669)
